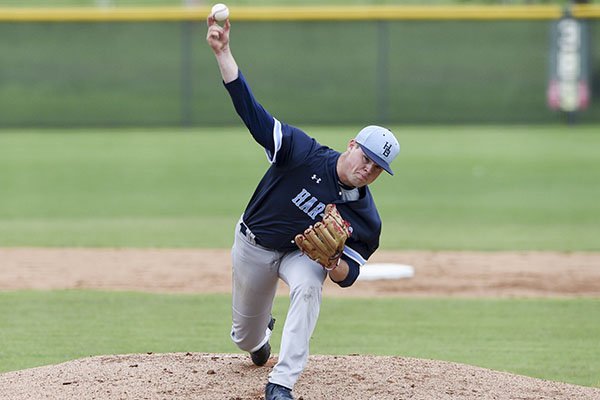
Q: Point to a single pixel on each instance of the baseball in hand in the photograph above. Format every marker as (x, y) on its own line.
(220, 12)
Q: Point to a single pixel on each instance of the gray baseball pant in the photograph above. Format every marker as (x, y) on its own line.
(256, 271)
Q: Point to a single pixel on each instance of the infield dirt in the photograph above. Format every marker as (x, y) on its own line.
(230, 376)
(460, 274)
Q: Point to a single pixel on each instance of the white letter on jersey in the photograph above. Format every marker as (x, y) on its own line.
(307, 206)
(299, 199)
(317, 210)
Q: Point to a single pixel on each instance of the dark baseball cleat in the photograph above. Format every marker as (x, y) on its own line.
(271, 324)
(274, 391)
(261, 356)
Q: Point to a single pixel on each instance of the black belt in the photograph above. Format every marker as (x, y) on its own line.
(244, 230)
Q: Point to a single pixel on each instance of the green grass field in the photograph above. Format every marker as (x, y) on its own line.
(549, 339)
(471, 188)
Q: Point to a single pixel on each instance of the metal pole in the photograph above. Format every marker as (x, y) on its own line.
(187, 90)
(383, 72)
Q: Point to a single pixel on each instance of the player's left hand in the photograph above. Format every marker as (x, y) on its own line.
(324, 242)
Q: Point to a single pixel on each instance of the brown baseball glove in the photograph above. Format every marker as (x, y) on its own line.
(324, 242)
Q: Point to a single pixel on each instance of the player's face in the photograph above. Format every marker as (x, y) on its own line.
(359, 170)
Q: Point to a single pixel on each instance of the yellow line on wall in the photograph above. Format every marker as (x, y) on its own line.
(313, 13)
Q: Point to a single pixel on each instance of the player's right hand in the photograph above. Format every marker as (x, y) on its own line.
(218, 36)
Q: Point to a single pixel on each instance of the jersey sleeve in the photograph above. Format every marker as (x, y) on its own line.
(265, 129)
(284, 144)
(364, 240)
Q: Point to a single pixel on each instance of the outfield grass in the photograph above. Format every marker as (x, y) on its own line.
(549, 339)
(472, 188)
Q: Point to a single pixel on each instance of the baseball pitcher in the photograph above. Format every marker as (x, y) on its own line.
(311, 216)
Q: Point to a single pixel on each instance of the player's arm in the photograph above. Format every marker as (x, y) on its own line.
(346, 272)
(218, 40)
(355, 255)
(263, 127)
(361, 245)
(340, 273)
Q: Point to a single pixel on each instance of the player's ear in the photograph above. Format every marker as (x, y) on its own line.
(351, 144)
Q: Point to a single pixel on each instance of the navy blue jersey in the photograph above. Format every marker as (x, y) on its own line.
(300, 182)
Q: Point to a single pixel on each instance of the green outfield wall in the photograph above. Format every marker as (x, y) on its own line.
(160, 72)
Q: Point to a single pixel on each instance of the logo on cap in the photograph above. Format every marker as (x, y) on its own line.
(387, 148)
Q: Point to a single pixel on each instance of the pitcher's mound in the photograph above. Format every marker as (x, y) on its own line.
(233, 377)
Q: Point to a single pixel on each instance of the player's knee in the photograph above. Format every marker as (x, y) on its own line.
(247, 341)
(242, 342)
(306, 291)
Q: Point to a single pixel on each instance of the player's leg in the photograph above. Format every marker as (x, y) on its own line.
(253, 289)
(305, 279)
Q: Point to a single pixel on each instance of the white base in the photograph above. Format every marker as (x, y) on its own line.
(373, 272)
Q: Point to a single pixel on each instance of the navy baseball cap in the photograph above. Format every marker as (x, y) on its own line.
(379, 144)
